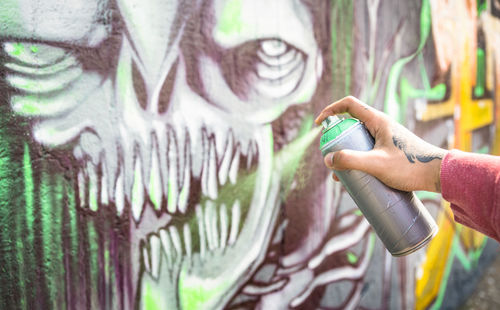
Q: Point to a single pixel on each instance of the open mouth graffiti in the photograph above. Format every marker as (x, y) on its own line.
(202, 189)
(194, 146)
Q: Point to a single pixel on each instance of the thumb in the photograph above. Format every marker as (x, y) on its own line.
(354, 160)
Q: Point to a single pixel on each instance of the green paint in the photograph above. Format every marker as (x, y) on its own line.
(55, 253)
(46, 218)
(196, 295)
(480, 88)
(423, 71)
(29, 210)
(123, 76)
(18, 49)
(34, 49)
(358, 212)
(290, 159)
(466, 262)
(481, 6)
(307, 124)
(27, 105)
(41, 67)
(151, 301)
(476, 254)
(333, 132)
(93, 195)
(230, 22)
(28, 183)
(183, 194)
(352, 258)
(93, 263)
(483, 150)
(30, 85)
(74, 241)
(371, 244)
(392, 104)
(444, 283)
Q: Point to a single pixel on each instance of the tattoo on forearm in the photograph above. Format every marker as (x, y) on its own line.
(411, 155)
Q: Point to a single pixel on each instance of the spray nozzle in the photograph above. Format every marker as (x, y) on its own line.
(330, 121)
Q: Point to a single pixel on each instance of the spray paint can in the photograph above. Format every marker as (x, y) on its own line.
(399, 218)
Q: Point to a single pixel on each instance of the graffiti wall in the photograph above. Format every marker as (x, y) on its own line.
(162, 154)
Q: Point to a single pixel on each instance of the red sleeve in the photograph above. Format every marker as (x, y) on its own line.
(471, 183)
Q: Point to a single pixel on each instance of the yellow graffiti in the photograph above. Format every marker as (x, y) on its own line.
(432, 269)
(491, 28)
(455, 27)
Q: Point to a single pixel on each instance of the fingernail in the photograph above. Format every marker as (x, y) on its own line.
(329, 160)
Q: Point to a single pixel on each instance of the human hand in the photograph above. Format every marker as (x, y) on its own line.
(399, 158)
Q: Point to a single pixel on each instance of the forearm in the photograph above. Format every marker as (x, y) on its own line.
(471, 183)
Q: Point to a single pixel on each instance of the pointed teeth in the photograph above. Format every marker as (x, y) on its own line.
(221, 140)
(235, 164)
(162, 140)
(244, 147)
(184, 194)
(137, 199)
(155, 185)
(235, 222)
(205, 167)
(187, 239)
(224, 226)
(119, 194)
(81, 188)
(93, 187)
(216, 230)
(172, 185)
(167, 247)
(212, 173)
(154, 242)
(209, 184)
(183, 149)
(104, 187)
(211, 225)
(176, 241)
(146, 259)
(198, 146)
(226, 160)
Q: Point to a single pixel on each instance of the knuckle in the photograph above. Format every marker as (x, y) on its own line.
(339, 159)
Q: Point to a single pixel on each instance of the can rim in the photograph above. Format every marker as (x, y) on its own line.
(417, 246)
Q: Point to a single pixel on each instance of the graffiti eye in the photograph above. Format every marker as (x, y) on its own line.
(264, 69)
(279, 69)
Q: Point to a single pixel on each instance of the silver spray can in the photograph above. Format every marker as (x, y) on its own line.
(399, 218)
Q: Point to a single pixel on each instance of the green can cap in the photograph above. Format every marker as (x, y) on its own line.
(333, 127)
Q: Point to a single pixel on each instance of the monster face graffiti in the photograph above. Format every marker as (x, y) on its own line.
(166, 107)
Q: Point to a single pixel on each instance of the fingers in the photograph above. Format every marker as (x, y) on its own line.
(369, 162)
(351, 105)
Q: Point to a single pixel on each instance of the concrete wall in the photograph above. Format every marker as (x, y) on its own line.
(162, 154)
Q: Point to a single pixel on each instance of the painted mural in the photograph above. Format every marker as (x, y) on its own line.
(162, 154)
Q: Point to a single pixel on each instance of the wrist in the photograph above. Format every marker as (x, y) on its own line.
(437, 178)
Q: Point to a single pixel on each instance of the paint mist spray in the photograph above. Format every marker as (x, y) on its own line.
(399, 218)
